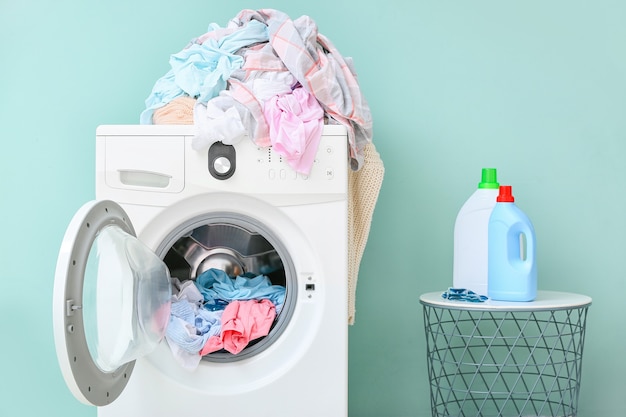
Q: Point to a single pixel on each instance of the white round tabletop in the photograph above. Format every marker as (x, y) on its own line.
(546, 300)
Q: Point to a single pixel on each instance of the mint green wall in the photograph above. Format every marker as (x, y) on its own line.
(535, 88)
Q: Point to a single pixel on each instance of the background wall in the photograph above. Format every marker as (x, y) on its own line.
(534, 88)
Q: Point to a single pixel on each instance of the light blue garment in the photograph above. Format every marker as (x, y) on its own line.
(216, 285)
(201, 70)
(190, 327)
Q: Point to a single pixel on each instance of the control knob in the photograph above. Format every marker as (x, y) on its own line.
(221, 165)
(222, 161)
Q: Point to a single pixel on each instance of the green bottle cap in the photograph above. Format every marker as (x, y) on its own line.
(489, 179)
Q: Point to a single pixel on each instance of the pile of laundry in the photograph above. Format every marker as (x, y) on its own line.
(267, 78)
(216, 312)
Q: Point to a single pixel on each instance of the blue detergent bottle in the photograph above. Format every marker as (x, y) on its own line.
(512, 270)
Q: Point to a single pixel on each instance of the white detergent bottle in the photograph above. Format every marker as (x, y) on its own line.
(469, 269)
(512, 266)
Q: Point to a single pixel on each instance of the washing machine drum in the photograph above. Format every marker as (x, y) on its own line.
(227, 247)
(237, 247)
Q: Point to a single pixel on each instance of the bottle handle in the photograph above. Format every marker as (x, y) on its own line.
(526, 245)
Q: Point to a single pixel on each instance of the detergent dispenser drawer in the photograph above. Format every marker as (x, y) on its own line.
(131, 164)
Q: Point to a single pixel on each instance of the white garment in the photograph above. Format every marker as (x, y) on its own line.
(217, 121)
(226, 119)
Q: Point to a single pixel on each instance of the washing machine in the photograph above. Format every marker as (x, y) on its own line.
(165, 212)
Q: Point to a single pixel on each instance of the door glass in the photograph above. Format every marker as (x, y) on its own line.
(126, 299)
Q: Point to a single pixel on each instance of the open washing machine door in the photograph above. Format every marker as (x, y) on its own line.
(111, 302)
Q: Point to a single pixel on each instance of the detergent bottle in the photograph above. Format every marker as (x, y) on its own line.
(511, 259)
(470, 235)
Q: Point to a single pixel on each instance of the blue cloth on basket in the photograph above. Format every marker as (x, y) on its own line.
(462, 294)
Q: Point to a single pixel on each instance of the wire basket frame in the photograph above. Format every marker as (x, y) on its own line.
(504, 363)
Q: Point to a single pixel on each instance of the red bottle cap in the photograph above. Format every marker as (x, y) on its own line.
(505, 195)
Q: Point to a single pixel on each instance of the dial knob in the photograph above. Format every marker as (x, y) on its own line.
(222, 161)
(222, 165)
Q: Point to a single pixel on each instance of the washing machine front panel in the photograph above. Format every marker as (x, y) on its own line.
(110, 303)
(302, 369)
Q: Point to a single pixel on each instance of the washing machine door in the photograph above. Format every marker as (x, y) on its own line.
(111, 302)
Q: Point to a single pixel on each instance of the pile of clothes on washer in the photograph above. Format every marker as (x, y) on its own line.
(267, 78)
(216, 312)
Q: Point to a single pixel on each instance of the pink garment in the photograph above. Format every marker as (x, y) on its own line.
(242, 322)
(296, 121)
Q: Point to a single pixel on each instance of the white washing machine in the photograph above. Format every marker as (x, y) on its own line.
(237, 208)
